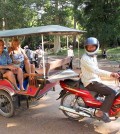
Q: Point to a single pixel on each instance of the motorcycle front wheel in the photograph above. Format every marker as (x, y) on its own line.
(71, 101)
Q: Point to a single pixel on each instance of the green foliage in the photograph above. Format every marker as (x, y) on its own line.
(114, 54)
(63, 52)
(26, 13)
(56, 12)
(100, 19)
(17, 14)
(114, 50)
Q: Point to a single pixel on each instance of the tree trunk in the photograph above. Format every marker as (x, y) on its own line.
(57, 45)
(74, 37)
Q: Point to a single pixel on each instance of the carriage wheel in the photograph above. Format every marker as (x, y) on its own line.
(6, 104)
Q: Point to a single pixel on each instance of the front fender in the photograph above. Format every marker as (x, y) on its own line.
(6, 85)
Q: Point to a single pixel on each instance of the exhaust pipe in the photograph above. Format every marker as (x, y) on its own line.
(74, 112)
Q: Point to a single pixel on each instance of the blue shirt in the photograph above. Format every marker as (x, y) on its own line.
(5, 58)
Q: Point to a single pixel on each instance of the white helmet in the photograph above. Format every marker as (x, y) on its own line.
(92, 41)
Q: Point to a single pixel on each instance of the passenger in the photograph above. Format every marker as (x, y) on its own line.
(39, 53)
(29, 53)
(19, 57)
(71, 54)
(104, 54)
(8, 69)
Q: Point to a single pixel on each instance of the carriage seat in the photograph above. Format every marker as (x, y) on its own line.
(34, 79)
(53, 66)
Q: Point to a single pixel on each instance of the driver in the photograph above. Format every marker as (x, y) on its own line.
(90, 76)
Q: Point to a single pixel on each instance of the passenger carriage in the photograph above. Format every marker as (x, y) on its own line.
(38, 84)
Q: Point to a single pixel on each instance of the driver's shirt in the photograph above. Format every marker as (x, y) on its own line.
(5, 58)
(90, 71)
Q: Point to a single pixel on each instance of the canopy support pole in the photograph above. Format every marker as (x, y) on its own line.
(78, 53)
(67, 45)
(43, 57)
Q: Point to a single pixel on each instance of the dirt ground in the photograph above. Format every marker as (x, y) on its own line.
(103, 64)
(44, 117)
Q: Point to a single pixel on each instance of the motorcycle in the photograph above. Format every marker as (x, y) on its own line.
(77, 102)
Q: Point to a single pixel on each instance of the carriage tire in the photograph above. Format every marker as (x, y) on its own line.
(6, 102)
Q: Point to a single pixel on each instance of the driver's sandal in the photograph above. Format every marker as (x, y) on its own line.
(104, 118)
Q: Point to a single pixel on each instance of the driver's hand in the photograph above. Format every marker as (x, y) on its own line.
(115, 75)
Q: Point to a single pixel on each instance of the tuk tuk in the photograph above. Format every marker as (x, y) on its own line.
(43, 80)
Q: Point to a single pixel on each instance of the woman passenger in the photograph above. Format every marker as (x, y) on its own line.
(19, 57)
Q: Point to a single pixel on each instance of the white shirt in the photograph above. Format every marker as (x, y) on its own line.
(90, 71)
(40, 52)
(29, 53)
(70, 53)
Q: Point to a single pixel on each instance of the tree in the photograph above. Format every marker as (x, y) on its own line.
(101, 19)
(16, 14)
(54, 12)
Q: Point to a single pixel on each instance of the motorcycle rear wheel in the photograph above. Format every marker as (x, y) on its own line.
(6, 104)
(67, 101)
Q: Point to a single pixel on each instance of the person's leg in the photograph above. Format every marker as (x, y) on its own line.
(32, 68)
(103, 90)
(27, 66)
(70, 65)
(10, 76)
(39, 59)
(19, 73)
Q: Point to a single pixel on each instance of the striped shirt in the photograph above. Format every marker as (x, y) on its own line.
(90, 71)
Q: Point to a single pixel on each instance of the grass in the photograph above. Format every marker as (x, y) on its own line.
(114, 50)
(63, 52)
(113, 53)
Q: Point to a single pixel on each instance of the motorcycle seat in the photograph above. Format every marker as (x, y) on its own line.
(74, 83)
(78, 84)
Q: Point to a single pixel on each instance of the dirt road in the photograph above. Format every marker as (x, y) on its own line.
(44, 117)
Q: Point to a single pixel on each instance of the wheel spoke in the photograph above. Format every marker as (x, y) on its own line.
(70, 101)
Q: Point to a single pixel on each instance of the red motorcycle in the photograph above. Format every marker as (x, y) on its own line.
(77, 103)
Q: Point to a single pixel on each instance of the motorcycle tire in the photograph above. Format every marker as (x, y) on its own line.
(6, 104)
(72, 97)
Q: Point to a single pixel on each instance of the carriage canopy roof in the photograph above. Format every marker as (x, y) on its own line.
(45, 30)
